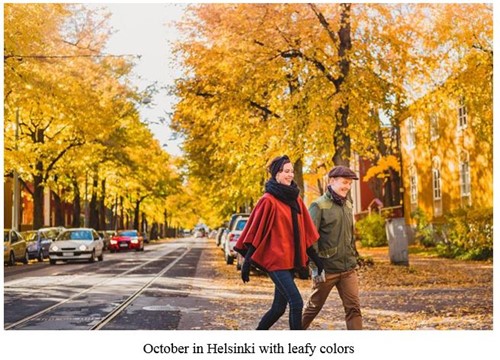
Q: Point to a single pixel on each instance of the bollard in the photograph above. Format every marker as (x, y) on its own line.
(398, 241)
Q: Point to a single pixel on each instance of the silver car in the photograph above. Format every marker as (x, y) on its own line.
(38, 241)
(232, 238)
(77, 244)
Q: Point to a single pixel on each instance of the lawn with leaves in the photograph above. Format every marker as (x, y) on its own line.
(430, 293)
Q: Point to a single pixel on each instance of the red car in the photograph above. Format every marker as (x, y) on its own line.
(126, 240)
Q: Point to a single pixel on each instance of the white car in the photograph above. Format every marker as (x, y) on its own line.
(14, 247)
(77, 244)
(232, 238)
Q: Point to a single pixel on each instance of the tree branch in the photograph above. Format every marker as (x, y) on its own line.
(264, 109)
(58, 157)
(324, 23)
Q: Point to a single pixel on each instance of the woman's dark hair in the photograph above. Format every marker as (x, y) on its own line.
(277, 165)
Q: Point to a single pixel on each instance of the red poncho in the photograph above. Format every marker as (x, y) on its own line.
(270, 230)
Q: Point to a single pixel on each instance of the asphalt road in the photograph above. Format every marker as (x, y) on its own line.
(148, 290)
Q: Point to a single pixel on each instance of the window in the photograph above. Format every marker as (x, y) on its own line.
(411, 133)
(436, 184)
(434, 127)
(240, 225)
(413, 188)
(465, 184)
(462, 114)
(436, 187)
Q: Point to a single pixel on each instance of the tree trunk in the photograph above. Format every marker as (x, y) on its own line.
(59, 212)
(76, 204)
(38, 199)
(94, 211)
(144, 223)
(136, 214)
(165, 222)
(154, 231)
(341, 138)
(102, 207)
(299, 176)
(122, 215)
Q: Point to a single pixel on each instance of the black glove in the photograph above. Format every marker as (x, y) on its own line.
(245, 271)
(245, 268)
(315, 258)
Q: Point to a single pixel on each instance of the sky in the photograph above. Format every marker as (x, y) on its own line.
(147, 30)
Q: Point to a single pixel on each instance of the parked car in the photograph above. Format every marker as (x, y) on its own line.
(233, 219)
(223, 238)
(218, 236)
(200, 233)
(106, 236)
(77, 244)
(14, 247)
(232, 238)
(38, 241)
(126, 240)
(230, 226)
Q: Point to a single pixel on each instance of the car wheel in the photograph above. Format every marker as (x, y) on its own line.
(40, 256)
(229, 259)
(52, 262)
(111, 251)
(101, 257)
(92, 257)
(12, 259)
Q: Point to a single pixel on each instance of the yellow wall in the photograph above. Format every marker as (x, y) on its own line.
(448, 147)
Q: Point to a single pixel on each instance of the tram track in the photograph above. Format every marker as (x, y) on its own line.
(182, 250)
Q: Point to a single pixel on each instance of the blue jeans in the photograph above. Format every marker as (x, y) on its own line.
(285, 292)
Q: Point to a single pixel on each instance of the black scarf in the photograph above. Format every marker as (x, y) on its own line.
(288, 195)
(337, 199)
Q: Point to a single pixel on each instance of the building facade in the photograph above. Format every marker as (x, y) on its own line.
(446, 161)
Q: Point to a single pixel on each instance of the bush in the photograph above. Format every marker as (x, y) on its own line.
(371, 230)
(468, 234)
(424, 232)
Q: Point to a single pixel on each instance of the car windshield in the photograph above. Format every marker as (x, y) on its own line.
(5, 236)
(127, 233)
(240, 225)
(76, 235)
(51, 234)
(29, 235)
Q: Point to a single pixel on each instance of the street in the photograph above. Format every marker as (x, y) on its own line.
(132, 290)
(184, 284)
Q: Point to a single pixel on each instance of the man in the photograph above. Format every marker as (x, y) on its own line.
(332, 214)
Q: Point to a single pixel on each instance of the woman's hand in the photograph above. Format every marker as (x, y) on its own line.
(245, 271)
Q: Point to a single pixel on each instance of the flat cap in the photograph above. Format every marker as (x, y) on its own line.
(342, 171)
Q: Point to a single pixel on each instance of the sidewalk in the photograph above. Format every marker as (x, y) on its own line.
(431, 293)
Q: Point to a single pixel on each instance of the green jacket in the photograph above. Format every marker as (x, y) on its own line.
(335, 245)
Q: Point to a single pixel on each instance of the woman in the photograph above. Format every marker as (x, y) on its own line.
(278, 238)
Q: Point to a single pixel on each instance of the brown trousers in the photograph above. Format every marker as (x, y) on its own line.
(348, 289)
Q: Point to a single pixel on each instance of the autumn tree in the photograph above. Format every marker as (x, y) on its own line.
(74, 106)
